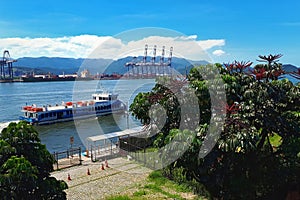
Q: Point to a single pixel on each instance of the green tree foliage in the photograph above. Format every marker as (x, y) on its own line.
(25, 166)
(172, 96)
(257, 155)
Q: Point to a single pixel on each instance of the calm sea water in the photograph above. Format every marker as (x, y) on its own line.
(57, 136)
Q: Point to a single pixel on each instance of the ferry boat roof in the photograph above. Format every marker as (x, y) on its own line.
(60, 107)
(104, 94)
(97, 97)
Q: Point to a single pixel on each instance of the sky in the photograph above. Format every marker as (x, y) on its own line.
(224, 30)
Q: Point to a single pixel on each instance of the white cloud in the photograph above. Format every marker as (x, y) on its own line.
(190, 37)
(93, 46)
(208, 44)
(218, 52)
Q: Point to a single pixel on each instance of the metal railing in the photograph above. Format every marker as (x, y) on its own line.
(68, 158)
(139, 154)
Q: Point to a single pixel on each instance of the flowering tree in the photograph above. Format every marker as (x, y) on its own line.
(257, 155)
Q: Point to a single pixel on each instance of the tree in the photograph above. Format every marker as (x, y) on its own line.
(18, 178)
(25, 165)
(257, 155)
(248, 161)
(168, 93)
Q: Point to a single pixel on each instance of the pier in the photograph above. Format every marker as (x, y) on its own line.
(152, 68)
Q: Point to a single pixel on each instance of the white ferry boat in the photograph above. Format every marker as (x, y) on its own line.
(101, 104)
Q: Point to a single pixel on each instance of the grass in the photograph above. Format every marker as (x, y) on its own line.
(121, 197)
(140, 193)
(148, 149)
(156, 187)
(151, 149)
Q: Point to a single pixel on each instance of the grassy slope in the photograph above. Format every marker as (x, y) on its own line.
(156, 187)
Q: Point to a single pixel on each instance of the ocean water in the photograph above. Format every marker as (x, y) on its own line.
(56, 137)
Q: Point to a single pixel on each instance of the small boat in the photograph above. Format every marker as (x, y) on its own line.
(101, 104)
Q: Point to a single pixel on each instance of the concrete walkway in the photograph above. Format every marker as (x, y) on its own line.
(120, 176)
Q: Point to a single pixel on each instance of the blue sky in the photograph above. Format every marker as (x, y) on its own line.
(244, 29)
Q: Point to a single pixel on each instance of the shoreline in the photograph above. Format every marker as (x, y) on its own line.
(38, 80)
(5, 124)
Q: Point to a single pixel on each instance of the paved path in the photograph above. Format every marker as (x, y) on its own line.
(120, 176)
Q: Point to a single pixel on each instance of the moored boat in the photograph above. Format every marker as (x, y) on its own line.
(100, 104)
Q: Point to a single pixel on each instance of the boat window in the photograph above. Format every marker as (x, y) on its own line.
(42, 116)
(94, 98)
(36, 115)
(46, 115)
(54, 114)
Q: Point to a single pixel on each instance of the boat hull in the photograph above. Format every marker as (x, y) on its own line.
(76, 118)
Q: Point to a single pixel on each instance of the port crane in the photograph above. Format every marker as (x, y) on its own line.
(6, 66)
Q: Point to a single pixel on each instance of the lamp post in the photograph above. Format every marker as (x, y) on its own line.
(127, 115)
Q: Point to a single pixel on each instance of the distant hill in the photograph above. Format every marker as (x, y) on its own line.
(58, 65)
(19, 71)
(290, 68)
